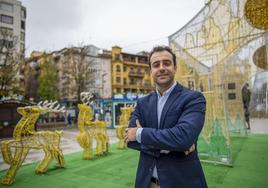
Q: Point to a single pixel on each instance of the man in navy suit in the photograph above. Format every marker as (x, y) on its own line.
(165, 127)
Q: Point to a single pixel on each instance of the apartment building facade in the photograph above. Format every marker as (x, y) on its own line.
(13, 20)
(80, 69)
(130, 73)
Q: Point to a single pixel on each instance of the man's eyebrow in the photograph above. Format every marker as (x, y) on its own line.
(167, 60)
(164, 60)
(155, 62)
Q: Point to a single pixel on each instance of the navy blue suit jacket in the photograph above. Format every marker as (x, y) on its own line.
(181, 122)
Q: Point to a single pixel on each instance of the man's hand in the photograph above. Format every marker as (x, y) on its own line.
(130, 133)
(190, 150)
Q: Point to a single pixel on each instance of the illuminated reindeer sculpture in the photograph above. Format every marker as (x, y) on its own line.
(89, 129)
(123, 124)
(25, 138)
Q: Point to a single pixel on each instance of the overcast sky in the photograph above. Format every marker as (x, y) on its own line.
(135, 25)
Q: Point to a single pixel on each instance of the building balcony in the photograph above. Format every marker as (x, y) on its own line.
(136, 74)
(117, 85)
(140, 64)
(147, 87)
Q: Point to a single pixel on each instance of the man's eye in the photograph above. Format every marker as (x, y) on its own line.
(167, 62)
(156, 65)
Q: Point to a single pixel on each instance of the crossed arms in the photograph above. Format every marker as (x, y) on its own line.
(180, 137)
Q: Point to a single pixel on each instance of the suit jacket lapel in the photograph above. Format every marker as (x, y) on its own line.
(172, 97)
(153, 110)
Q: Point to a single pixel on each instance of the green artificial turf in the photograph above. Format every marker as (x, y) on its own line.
(117, 169)
(250, 165)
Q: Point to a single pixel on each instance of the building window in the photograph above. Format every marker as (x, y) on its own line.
(131, 70)
(6, 7)
(118, 90)
(118, 68)
(23, 13)
(22, 48)
(6, 43)
(231, 85)
(22, 36)
(6, 19)
(117, 57)
(125, 68)
(118, 80)
(125, 81)
(231, 96)
(132, 82)
(22, 25)
(6, 31)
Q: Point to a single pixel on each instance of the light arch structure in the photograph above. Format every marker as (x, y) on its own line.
(215, 54)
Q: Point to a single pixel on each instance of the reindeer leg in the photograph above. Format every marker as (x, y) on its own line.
(57, 152)
(99, 144)
(121, 144)
(85, 141)
(103, 141)
(6, 151)
(58, 155)
(107, 143)
(20, 155)
(42, 166)
(118, 135)
(88, 151)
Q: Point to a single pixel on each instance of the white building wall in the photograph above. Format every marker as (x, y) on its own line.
(18, 13)
(99, 81)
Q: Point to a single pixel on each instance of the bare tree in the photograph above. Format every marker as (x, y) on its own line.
(10, 62)
(31, 82)
(76, 68)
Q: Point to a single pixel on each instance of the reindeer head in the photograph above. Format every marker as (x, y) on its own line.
(86, 98)
(24, 111)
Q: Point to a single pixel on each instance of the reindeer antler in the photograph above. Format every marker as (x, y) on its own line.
(86, 97)
(51, 106)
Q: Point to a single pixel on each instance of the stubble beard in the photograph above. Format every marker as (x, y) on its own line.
(164, 84)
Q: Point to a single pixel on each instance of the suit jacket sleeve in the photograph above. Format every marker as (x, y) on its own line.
(184, 133)
(139, 146)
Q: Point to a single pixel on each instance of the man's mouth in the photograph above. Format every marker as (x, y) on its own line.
(162, 75)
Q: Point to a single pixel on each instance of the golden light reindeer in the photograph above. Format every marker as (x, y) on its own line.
(123, 124)
(25, 138)
(89, 129)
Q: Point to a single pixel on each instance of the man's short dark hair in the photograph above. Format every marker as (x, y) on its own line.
(160, 49)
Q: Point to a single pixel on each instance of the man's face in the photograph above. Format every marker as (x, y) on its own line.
(162, 68)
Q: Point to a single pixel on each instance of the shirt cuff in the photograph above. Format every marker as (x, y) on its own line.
(138, 134)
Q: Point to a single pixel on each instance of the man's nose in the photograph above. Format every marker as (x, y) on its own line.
(161, 67)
